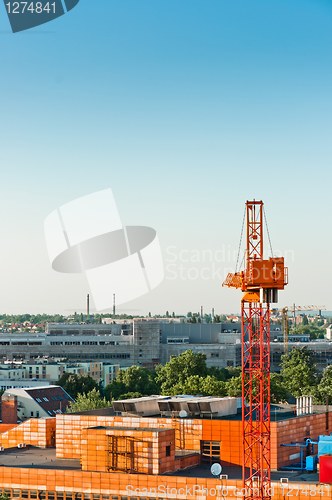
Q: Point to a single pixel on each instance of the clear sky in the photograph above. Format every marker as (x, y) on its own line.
(186, 109)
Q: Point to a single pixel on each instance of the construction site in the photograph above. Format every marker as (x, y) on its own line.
(184, 447)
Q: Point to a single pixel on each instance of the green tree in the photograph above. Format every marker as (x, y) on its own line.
(115, 390)
(279, 393)
(138, 379)
(233, 371)
(199, 386)
(219, 373)
(313, 330)
(299, 372)
(192, 385)
(234, 386)
(134, 379)
(77, 384)
(131, 395)
(90, 401)
(324, 389)
(211, 386)
(179, 369)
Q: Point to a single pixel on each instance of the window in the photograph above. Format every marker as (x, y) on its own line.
(210, 451)
(178, 340)
(168, 450)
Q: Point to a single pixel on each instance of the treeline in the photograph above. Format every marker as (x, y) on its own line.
(316, 330)
(34, 319)
(189, 374)
(183, 374)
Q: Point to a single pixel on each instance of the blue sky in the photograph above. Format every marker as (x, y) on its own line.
(186, 108)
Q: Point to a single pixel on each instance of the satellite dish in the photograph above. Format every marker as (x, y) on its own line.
(183, 414)
(216, 469)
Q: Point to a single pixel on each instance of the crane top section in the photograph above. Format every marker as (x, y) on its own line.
(259, 273)
(254, 214)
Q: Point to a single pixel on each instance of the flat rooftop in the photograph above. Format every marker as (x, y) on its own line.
(139, 429)
(235, 472)
(40, 458)
(278, 413)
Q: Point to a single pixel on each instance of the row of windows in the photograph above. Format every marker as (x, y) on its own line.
(21, 342)
(80, 355)
(173, 340)
(319, 357)
(87, 342)
(66, 495)
(81, 332)
(95, 355)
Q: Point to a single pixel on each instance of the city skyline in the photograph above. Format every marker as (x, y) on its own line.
(186, 110)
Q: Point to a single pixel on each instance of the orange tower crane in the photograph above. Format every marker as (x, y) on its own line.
(260, 282)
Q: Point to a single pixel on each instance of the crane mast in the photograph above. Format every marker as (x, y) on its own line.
(260, 282)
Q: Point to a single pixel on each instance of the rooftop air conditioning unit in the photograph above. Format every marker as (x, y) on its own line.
(21, 445)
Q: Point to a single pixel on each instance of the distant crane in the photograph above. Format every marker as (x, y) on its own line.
(260, 282)
(285, 322)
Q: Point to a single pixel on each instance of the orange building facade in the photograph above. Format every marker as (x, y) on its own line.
(121, 458)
